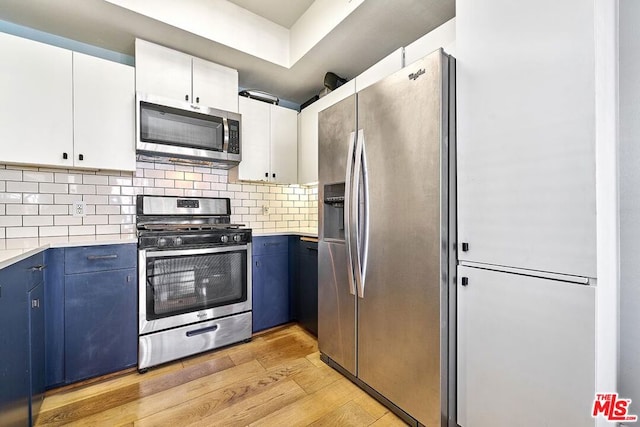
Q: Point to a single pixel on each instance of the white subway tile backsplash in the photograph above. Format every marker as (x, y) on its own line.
(36, 176)
(67, 220)
(22, 187)
(69, 178)
(18, 232)
(54, 210)
(46, 187)
(20, 210)
(38, 201)
(95, 179)
(82, 230)
(37, 221)
(10, 175)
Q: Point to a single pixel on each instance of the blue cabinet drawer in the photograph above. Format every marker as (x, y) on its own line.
(270, 245)
(88, 259)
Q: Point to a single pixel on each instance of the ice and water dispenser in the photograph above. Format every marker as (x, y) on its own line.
(334, 211)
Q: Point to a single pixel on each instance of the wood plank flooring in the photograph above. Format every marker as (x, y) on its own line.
(277, 379)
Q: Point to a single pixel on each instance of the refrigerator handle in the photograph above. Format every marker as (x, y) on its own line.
(365, 216)
(347, 211)
(355, 214)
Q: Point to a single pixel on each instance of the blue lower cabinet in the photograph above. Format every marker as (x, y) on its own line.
(21, 341)
(14, 352)
(101, 333)
(270, 277)
(54, 318)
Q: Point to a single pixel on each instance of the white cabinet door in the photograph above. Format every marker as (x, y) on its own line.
(284, 145)
(442, 37)
(526, 134)
(104, 114)
(162, 71)
(255, 135)
(36, 113)
(308, 132)
(526, 351)
(215, 85)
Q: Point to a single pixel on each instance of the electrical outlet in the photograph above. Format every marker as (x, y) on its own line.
(79, 209)
(265, 209)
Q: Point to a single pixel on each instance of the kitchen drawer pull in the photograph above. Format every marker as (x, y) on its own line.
(38, 267)
(202, 331)
(101, 257)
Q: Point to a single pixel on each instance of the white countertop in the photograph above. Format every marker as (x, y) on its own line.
(14, 250)
(305, 231)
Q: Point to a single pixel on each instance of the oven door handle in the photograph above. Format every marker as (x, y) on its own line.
(202, 331)
(188, 252)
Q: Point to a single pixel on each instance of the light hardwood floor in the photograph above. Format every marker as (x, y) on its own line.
(275, 380)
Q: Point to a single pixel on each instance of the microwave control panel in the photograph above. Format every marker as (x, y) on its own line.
(234, 137)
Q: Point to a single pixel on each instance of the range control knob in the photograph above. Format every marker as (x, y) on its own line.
(224, 238)
(162, 242)
(177, 241)
(237, 238)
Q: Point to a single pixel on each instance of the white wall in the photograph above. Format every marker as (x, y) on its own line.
(629, 373)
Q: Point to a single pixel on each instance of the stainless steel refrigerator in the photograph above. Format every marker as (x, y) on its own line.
(387, 240)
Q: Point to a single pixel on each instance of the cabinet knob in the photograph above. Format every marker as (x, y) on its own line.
(81, 157)
(35, 303)
(186, 97)
(465, 247)
(274, 175)
(197, 100)
(465, 281)
(266, 174)
(65, 156)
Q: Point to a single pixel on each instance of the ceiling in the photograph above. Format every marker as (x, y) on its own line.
(375, 29)
(282, 12)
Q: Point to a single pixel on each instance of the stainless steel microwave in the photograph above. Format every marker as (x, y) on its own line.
(180, 132)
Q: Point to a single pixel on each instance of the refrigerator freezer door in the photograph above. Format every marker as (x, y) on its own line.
(336, 294)
(400, 347)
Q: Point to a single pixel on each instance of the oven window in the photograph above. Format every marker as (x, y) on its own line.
(166, 125)
(183, 284)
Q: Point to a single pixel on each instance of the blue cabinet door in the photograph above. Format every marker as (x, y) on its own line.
(306, 286)
(54, 315)
(14, 384)
(270, 290)
(101, 332)
(35, 306)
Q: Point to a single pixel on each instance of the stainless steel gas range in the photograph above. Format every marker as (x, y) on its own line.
(194, 270)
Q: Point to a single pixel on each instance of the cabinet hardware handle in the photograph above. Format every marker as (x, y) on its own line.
(35, 303)
(65, 156)
(465, 281)
(274, 175)
(186, 97)
(266, 174)
(465, 247)
(197, 100)
(81, 157)
(38, 267)
(99, 257)
(202, 331)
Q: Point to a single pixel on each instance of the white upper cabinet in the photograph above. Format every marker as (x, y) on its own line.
(269, 143)
(215, 85)
(36, 111)
(526, 134)
(442, 37)
(308, 132)
(104, 113)
(168, 73)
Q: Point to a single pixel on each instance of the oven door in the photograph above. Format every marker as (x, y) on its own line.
(180, 287)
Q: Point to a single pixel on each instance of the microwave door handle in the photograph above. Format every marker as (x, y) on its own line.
(225, 126)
